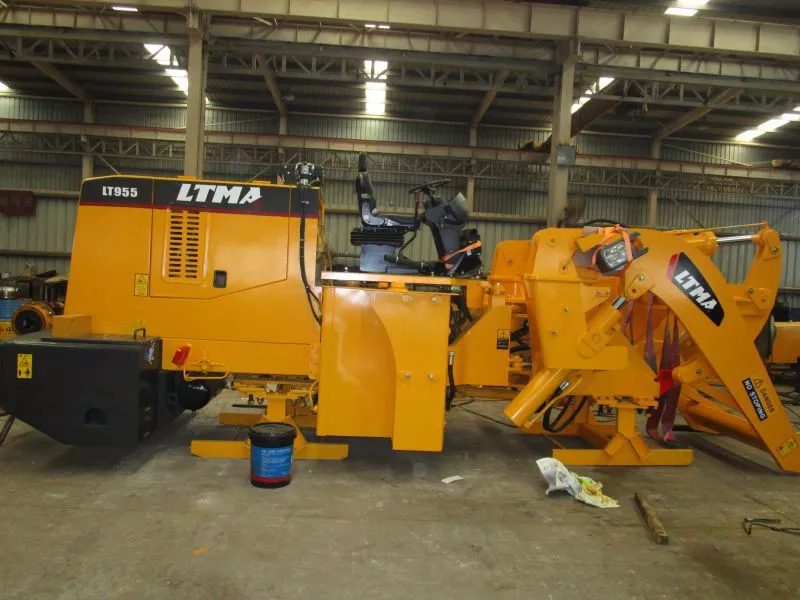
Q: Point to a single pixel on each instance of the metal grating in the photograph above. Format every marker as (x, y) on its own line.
(185, 245)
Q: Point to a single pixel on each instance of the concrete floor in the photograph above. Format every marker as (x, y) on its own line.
(154, 522)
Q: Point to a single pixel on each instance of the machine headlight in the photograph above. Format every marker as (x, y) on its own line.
(612, 257)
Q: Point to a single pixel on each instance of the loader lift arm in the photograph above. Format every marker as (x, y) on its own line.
(726, 387)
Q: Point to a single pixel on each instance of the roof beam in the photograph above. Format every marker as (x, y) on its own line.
(700, 35)
(488, 97)
(591, 162)
(696, 113)
(594, 109)
(62, 80)
(613, 42)
(272, 84)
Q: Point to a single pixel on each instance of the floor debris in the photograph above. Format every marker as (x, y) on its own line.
(585, 489)
(650, 517)
(452, 478)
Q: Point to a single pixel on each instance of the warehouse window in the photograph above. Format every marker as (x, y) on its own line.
(164, 56)
(375, 93)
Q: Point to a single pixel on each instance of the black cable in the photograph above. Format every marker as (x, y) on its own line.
(557, 426)
(309, 292)
(770, 524)
(451, 388)
(462, 303)
(520, 333)
(487, 417)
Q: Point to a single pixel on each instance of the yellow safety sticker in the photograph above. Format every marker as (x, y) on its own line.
(141, 284)
(764, 393)
(24, 366)
(503, 339)
(6, 330)
(787, 447)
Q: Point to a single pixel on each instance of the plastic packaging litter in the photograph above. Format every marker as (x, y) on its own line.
(585, 489)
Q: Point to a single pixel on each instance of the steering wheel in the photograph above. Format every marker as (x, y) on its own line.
(429, 187)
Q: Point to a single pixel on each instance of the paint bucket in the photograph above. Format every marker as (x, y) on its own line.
(271, 446)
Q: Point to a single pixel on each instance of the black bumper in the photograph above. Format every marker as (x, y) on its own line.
(87, 391)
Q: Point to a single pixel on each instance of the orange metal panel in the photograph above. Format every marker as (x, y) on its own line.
(117, 279)
(357, 371)
(482, 353)
(384, 365)
(786, 348)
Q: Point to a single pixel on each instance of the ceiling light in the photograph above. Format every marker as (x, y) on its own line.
(581, 101)
(375, 92)
(376, 69)
(161, 54)
(125, 8)
(595, 88)
(384, 26)
(772, 125)
(750, 135)
(792, 116)
(180, 78)
(370, 25)
(4, 87)
(604, 82)
(164, 57)
(681, 12)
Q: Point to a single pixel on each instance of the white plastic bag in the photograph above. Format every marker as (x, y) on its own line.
(585, 489)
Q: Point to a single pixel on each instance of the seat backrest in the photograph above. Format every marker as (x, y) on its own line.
(366, 196)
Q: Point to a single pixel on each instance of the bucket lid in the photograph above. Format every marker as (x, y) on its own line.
(270, 430)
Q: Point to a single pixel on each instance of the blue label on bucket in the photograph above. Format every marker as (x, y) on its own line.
(271, 464)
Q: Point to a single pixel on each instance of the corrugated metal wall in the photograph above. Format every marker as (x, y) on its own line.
(383, 130)
(51, 230)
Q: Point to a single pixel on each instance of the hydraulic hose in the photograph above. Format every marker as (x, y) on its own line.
(310, 296)
(557, 426)
(451, 388)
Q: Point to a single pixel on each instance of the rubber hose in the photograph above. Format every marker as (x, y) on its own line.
(309, 292)
(557, 426)
(451, 388)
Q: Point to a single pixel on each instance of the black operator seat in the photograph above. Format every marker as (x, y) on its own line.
(368, 207)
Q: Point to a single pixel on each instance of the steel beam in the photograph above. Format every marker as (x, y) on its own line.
(612, 42)
(65, 82)
(272, 84)
(488, 98)
(695, 114)
(562, 123)
(587, 114)
(128, 142)
(516, 20)
(196, 99)
(87, 161)
(652, 193)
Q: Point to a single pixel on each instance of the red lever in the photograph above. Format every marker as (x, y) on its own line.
(181, 354)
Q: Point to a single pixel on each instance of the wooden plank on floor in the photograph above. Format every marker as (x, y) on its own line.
(654, 524)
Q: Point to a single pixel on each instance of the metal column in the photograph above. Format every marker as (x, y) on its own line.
(562, 131)
(87, 163)
(652, 193)
(473, 142)
(196, 107)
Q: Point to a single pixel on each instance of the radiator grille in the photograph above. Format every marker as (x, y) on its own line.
(185, 245)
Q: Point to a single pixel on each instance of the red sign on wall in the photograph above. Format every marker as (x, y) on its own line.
(17, 203)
